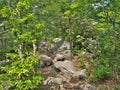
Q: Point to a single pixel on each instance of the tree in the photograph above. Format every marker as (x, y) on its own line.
(24, 30)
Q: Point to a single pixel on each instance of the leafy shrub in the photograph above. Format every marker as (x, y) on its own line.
(100, 69)
(20, 73)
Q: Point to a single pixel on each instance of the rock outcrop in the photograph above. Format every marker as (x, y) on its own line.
(60, 73)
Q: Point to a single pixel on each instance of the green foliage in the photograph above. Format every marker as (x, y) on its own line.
(101, 69)
(81, 61)
(20, 73)
(24, 30)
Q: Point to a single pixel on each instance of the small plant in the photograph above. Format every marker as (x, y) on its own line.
(81, 61)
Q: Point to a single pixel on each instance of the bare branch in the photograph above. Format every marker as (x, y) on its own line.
(1, 25)
(4, 31)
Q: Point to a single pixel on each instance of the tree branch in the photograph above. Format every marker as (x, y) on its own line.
(4, 31)
(1, 25)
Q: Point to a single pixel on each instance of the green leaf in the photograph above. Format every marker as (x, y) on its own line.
(75, 5)
(68, 12)
(5, 12)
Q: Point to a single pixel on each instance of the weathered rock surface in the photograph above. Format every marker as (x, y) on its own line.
(45, 60)
(80, 75)
(66, 67)
(59, 57)
(57, 80)
(67, 54)
(53, 71)
(64, 46)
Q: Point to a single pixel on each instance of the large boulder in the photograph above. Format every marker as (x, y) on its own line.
(45, 61)
(66, 67)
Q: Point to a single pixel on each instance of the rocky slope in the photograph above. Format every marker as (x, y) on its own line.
(59, 70)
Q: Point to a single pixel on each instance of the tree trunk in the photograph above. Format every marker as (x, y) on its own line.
(20, 50)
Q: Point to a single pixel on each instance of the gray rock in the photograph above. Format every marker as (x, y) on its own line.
(53, 72)
(45, 60)
(66, 67)
(67, 53)
(61, 44)
(80, 75)
(51, 49)
(47, 81)
(91, 87)
(87, 86)
(57, 40)
(54, 80)
(52, 83)
(65, 46)
(57, 43)
(59, 57)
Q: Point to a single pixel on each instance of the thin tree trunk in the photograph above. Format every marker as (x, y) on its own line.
(70, 35)
(34, 48)
(3, 45)
(20, 50)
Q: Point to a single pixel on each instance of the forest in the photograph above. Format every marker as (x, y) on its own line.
(59, 44)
